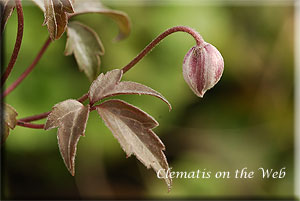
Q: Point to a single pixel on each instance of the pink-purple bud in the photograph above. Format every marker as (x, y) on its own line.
(202, 68)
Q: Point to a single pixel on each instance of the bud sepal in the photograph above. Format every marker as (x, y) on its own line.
(202, 68)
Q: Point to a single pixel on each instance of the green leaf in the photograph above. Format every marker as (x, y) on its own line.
(86, 46)
(121, 18)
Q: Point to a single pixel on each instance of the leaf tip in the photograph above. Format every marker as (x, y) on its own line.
(71, 168)
(72, 171)
(170, 106)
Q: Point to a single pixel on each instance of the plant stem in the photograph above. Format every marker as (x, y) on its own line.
(148, 48)
(143, 53)
(18, 42)
(45, 114)
(29, 69)
(94, 107)
(30, 125)
(35, 117)
(83, 97)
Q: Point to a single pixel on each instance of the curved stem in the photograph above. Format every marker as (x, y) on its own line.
(29, 69)
(143, 53)
(148, 48)
(18, 43)
(30, 125)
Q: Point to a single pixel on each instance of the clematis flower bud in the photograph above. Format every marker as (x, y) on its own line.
(202, 68)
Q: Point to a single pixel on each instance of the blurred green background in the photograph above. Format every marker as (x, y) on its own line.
(246, 120)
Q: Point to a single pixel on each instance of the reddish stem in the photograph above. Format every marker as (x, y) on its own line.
(143, 53)
(35, 117)
(83, 97)
(18, 43)
(45, 114)
(148, 48)
(30, 125)
(29, 69)
(93, 108)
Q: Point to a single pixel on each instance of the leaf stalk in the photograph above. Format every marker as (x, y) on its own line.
(30, 125)
(199, 40)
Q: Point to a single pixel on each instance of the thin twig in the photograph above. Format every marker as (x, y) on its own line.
(83, 97)
(45, 114)
(143, 53)
(18, 43)
(28, 70)
(148, 48)
(35, 117)
(30, 125)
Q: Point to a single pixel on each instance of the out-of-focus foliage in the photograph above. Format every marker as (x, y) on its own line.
(86, 46)
(9, 121)
(246, 120)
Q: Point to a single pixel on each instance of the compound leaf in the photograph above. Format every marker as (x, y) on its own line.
(133, 129)
(107, 85)
(70, 117)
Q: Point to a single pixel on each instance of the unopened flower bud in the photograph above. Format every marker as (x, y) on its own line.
(202, 68)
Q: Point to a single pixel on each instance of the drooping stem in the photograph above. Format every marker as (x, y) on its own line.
(148, 48)
(143, 53)
(18, 42)
(30, 125)
(29, 69)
